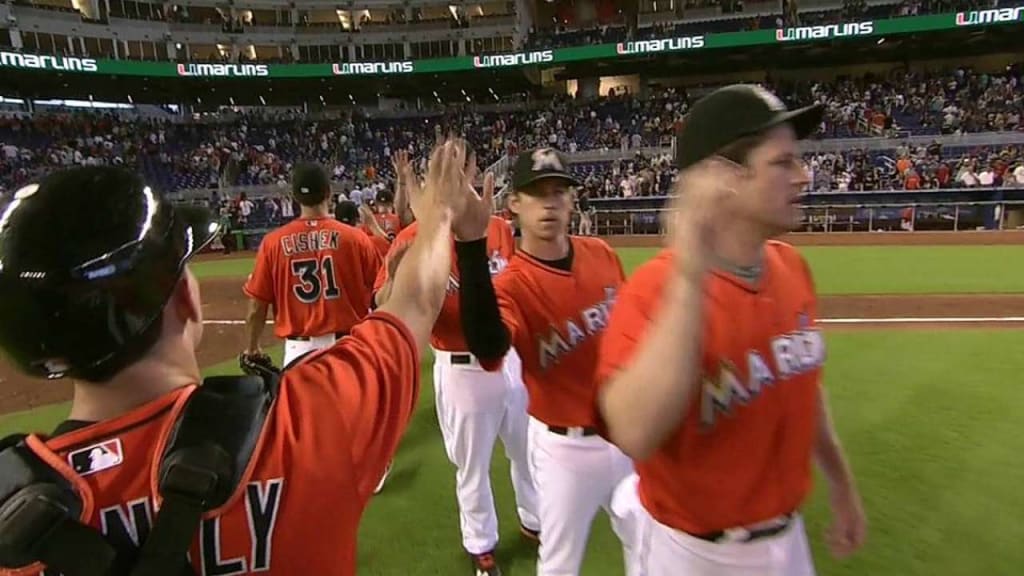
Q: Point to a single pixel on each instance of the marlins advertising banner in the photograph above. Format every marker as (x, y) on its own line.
(223, 70)
(981, 17)
(37, 62)
(825, 31)
(349, 68)
(710, 41)
(663, 45)
(517, 59)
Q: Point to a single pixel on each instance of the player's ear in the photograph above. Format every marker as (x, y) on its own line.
(513, 202)
(186, 302)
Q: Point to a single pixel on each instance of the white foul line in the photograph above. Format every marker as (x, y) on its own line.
(918, 320)
(229, 322)
(897, 320)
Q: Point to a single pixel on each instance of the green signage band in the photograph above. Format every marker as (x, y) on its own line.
(887, 27)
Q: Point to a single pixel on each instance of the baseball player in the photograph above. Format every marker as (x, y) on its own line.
(384, 213)
(317, 273)
(475, 407)
(551, 306)
(117, 274)
(711, 364)
(347, 212)
(401, 164)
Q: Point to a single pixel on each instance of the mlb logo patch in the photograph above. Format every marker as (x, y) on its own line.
(96, 458)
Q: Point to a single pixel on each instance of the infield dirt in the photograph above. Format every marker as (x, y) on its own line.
(224, 301)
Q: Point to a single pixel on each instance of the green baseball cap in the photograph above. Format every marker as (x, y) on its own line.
(538, 164)
(734, 112)
(310, 184)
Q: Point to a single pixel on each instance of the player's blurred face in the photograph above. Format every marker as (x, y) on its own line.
(544, 208)
(776, 182)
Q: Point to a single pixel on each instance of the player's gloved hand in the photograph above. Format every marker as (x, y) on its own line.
(257, 364)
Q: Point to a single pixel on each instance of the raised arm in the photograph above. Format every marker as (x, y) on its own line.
(486, 335)
(402, 166)
(421, 277)
(366, 215)
(648, 398)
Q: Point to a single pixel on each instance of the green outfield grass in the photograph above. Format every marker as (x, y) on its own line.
(229, 267)
(900, 269)
(932, 437)
(841, 269)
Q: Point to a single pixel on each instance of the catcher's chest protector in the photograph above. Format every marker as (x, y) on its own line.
(207, 454)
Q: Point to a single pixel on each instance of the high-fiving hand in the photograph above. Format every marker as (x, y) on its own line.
(447, 190)
(401, 164)
(471, 221)
(704, 193)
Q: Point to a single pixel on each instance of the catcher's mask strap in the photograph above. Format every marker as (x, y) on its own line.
(39, 517)
(207, 455)
(208, 452)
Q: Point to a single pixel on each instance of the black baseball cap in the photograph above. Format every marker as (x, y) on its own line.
(310, 184)
(734, 112)
(538, 164)
(346, 211)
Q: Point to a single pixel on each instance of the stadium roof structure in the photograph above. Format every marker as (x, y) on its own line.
(885, 40)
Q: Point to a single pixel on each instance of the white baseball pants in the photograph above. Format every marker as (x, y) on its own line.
(475, 408)
(659, 550)
(295, 348)
(575, 476)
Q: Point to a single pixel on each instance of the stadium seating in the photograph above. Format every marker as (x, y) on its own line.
(252, 150)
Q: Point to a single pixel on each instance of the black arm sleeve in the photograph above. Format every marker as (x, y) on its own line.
(485, 333)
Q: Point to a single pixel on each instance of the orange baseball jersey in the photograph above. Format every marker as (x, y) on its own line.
(743, 452)
(389, 222)
(447, 333)
(555, 320)
(298, 508)
(382, 246)
(318, 273)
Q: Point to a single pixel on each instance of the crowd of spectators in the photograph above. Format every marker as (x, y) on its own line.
(917, 168)
(257, 150)
(954, 102)
(638, 176)
(903, 168)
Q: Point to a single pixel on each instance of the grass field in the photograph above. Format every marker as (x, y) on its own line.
(843, 269)
(929, 420)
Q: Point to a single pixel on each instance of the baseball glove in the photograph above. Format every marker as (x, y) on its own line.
(257, 364)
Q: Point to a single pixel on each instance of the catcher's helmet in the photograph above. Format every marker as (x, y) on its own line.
(88, 259)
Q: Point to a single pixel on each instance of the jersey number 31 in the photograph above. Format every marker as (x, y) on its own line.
(310, 287)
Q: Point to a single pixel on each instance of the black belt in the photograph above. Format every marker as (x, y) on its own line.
(564, 430)
(308, 338)
(751, 535)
